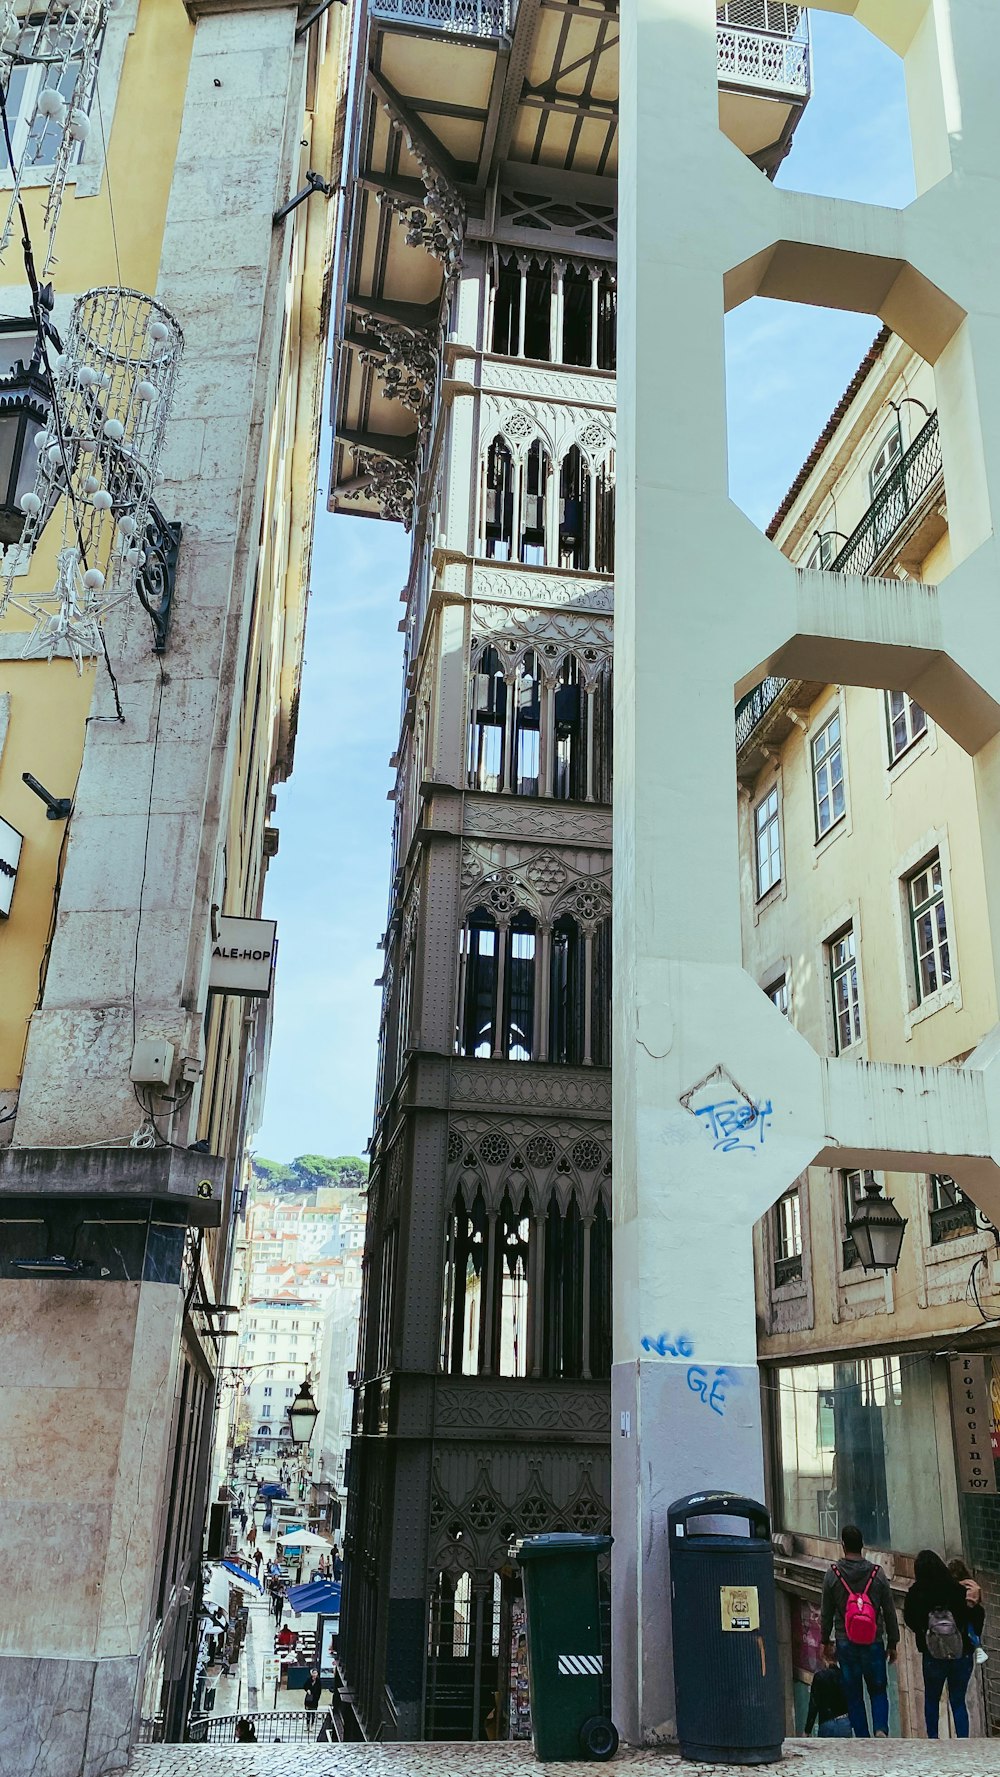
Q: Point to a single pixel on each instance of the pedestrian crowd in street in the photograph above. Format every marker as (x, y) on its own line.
(943, 1609)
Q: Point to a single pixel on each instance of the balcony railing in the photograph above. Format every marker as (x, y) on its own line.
(467, 18)
(916, 470)
(284, 1725)
(763, 45)
(787, 1270)
(952, 1220)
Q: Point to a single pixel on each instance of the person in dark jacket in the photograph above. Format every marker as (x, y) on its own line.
(828, 1705)
(934, 1597)
(312, 1698)
(861, 1667)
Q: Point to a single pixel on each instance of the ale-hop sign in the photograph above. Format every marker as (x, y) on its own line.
(972, 1413)
(10, 858)
(243, 956)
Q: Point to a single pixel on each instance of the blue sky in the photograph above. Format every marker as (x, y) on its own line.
(328, 886)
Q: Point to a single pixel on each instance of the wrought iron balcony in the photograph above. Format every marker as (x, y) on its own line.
(467, 18)
(917, 470)
(952, 1221)
(763, 47)
(904, 491)
(787, 1270)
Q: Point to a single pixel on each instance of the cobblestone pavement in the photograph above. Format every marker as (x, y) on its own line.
(803, 1758)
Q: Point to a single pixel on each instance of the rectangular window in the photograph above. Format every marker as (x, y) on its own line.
(767, 840)
(852, 1185)
(40, 45)
(267, 1391)
(786, 1222)
(777, 993)
(845, 990)
(905, 721)
(929, 929)
(950, 1212)
(828, 776)
(265, 1411)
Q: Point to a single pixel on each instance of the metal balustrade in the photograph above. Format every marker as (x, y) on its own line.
(286, 1726)
(914, 473)
(764, 45)
(917, 470)
(470, 18)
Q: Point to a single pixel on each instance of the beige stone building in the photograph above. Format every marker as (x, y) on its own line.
(865, 922)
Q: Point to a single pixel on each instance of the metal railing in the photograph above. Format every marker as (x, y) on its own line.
(764, 45)
(752, 708)
(470, 18)
(952, 1220)
(787, 1270)
(286, 1726)
(917, 469)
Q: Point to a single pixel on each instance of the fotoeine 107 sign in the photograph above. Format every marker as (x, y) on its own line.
(243, 957)
(10, 858)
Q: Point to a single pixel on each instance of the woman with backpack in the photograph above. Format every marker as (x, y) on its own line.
(940, 1614)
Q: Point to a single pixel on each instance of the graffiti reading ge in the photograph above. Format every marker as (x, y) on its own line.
(735, 1123)
(713, 1395)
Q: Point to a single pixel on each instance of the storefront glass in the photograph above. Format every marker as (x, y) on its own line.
(859, 1446)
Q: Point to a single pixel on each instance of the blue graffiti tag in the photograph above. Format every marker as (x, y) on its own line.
(684, 1346)
(714, 1396)
(732, 1119)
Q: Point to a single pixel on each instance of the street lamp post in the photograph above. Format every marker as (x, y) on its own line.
(302, 1416)
(877, 1229)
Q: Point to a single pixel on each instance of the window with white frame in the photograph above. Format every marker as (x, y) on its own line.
(845, 989)
(778, 995)
(929, 929)
(828, 775)
(905, 722)
(852, 1186)
(41, 135)
(786, 1228)
(267, 1391)
(951, 1213)
(889, 451)
(265, 1412)
(767, 842)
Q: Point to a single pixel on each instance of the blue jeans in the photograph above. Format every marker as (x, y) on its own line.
(861, 1667)
(837, 1729)
(956, 1674)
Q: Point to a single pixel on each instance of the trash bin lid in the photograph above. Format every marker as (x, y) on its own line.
(559, 1542)
(717, 1505)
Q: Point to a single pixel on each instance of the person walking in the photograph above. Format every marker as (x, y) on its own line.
(279, 1604)
(252, 1534)
(828, 1705)
(314, 1691)
(941, 1616)
(857, 1608)
(974, 1593)
(258, 1556)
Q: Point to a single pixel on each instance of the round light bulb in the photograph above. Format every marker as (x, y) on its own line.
(91, 484)
(86, 376)
(114, 430)
(102, 500)
(93, 579)
(30, 504)
(50, 102)
(79, 126)
(159, 331)
(127, 525)
(146, 391)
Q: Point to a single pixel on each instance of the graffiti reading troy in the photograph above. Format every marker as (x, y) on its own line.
(713, 1393)
(735, 1123)
(683, 1345)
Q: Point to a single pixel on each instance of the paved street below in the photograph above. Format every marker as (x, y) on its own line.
(803, 1758)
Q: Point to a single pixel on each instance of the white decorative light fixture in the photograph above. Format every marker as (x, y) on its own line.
(62, 41)
(114, 384)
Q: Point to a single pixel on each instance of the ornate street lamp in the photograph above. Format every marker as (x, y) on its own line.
(24, 410)
(302, 1415)
(877, 1229)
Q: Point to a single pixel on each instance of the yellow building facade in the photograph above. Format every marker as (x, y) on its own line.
(130, 1076)
(865, 922)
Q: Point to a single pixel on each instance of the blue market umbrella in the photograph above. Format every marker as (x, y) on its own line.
(272, 1490)
(240, 1573)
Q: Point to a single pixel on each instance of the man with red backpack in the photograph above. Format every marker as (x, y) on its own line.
(857, 1606)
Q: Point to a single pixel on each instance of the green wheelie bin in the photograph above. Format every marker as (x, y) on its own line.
(562, 1596)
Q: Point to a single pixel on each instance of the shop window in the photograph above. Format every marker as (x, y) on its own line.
(905, 721)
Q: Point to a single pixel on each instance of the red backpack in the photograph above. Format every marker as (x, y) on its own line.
(860, 1615)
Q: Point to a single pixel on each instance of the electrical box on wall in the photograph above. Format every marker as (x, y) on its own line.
(152, 1061)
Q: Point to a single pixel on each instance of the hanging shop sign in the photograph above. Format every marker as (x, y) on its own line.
(10, 857)
(243, 954)
(972, 1413)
